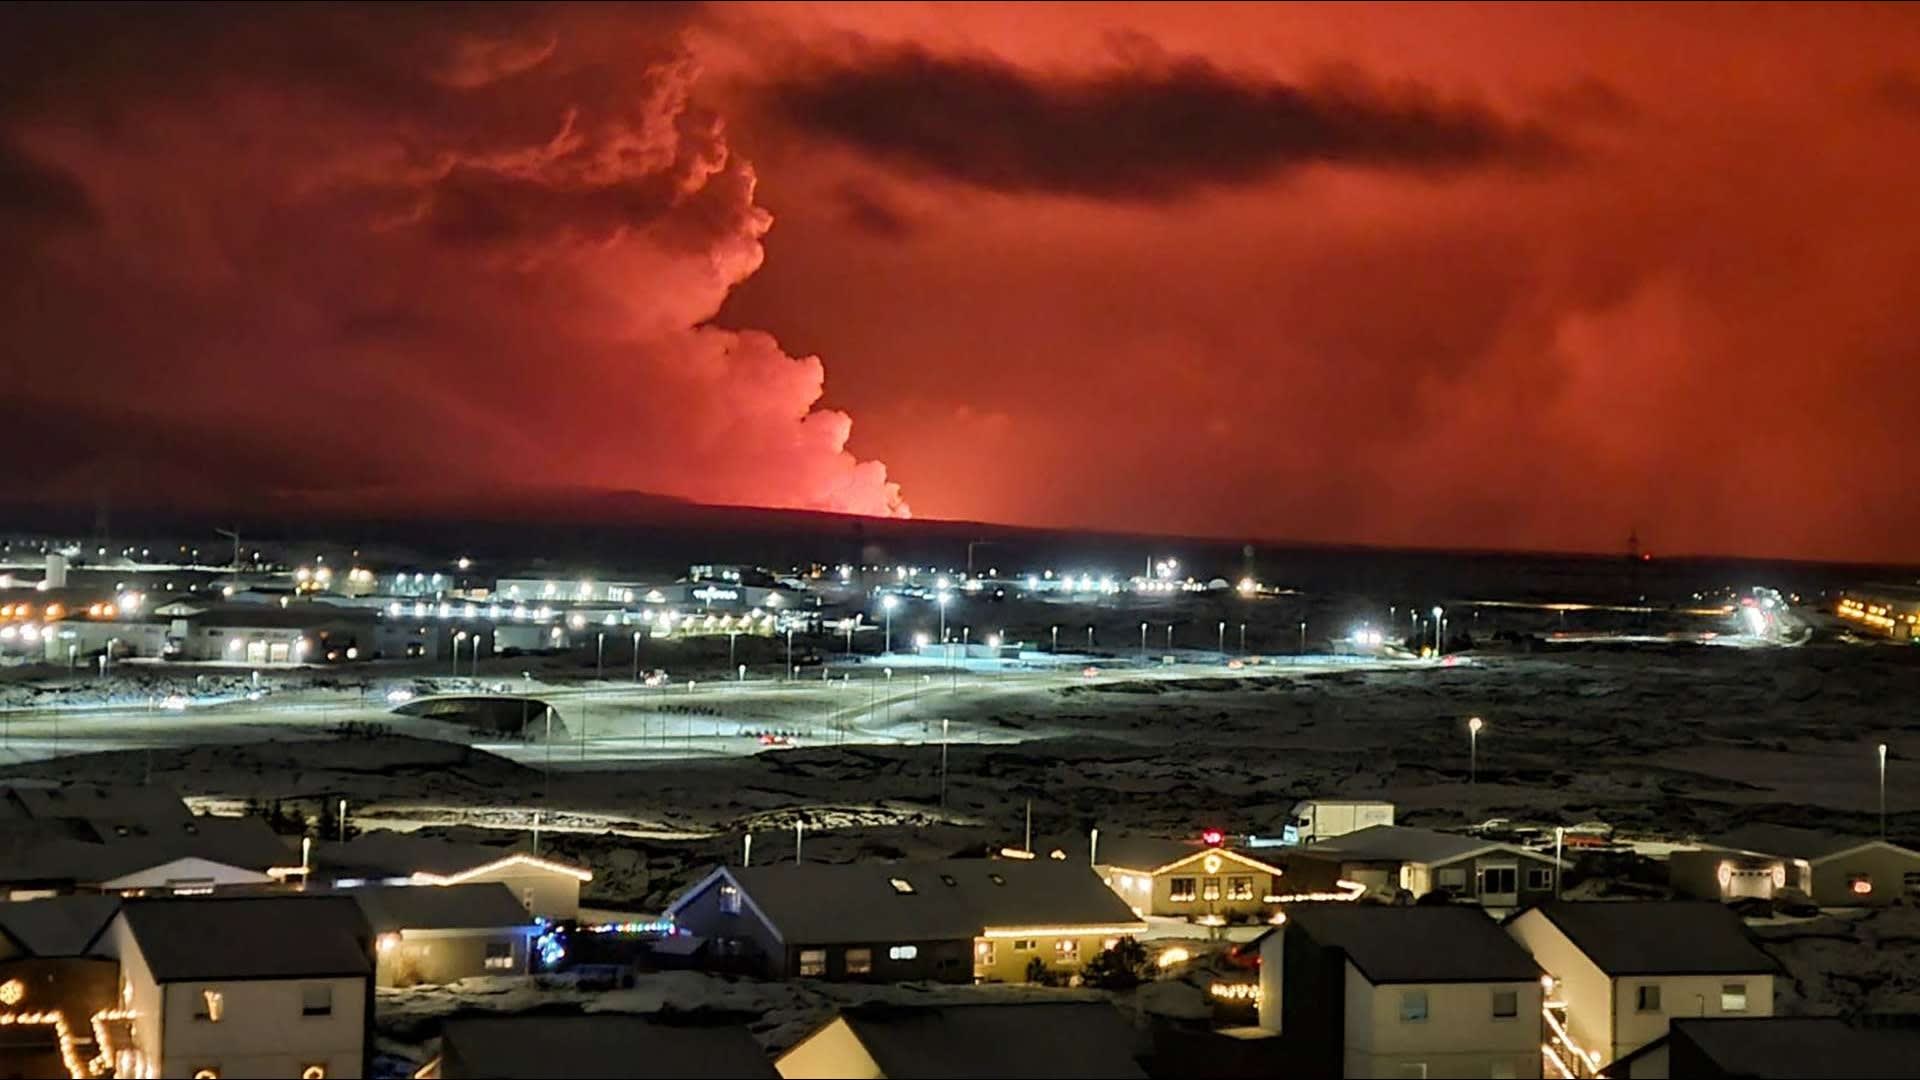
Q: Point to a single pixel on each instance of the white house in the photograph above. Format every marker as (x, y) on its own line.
(1622, 970)
(244, 986)
(1364, 990)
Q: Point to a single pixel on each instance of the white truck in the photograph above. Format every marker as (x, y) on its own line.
(1322, 819)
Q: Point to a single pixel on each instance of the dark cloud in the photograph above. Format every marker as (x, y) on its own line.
(871, 212)
(35, 195)
(1140, 133)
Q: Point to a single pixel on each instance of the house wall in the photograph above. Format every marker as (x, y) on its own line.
(937, 961)
(1657, 1064)
(425, 956)
(1697, 874)
(1273, 960)
(1312, 1010)
(546, 893)
(1470, 875)
(1887, 867)
(831, 1053)
(1009, 964)
(262, 1031)
(138, 992)
(1680, 995)
(731, 937)
(1133, 886)
(1586, 989)
(1460, 1037)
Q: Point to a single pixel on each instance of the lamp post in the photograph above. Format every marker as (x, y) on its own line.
(1056, 638)
(1474, 724)
(1223, 641)
(887, 604)
(600, 656)
(476, 654)
(458, 637)
(790, 668)
(1089, 637)
(1169, 637)
(1438, 611)
(1243, 639)
(732, 636)
(636, 658)
(942, 598)
(1143, 643)
(889, 672)
(943, 764)
(1303, 637)
(1883, 790)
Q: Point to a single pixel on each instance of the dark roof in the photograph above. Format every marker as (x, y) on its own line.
(1816, 1047)
(1050, 1040)
(1809, 844)
(954, 898)
(96, 852)
(57, 926)
(1404, 843)
(511, 1047)
(474, 906)
(253, 937)
(129, 804)
(1416, 944)
(1658, 937)
(396, 854)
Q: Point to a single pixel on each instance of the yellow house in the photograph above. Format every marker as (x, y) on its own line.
(1191, 879)
(1044, 1039)
(546, 887)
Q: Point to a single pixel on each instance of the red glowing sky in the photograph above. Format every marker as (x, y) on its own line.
(1500, 276)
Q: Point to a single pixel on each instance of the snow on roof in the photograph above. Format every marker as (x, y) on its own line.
(1658, 937)
(43, 801)
(1785, 840)
(59, 926)
(1050, 1040)
(1404, 843)
(1416, 944)
(251, 937)
(1815, 1047)
(474, 906)
(396, 854)
(818, 903)
(513, 1047)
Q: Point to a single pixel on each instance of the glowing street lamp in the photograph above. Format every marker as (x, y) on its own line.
(1474, 725)
(1882, 749)
(1223, 639)
(1438, 611)
(887, 604)
(600, 656)
(1143, 643)
(636, 658)
(942, 598)
(1056, 638)
(458, 637)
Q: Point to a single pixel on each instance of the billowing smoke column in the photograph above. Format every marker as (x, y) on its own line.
(306, 253)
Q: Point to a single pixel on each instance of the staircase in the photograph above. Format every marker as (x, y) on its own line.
(1562, 1058)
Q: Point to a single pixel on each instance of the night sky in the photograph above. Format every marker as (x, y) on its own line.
(1500, 277)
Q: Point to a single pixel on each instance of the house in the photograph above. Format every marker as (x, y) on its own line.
(1389, 858)
(1362, 990)
(52, 982)
(1180, 878)
(603, 1044)
(244, 986)
(1789, 1047)
(1044, 1041)
(51, 857)
(1832, 870)
(443, 935)
(958, 920)
(1622, 969)
(548, 888)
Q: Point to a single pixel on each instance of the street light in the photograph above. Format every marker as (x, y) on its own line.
(1883, 790)
(458, 637)
(1056, 638)
(1169, 637)
(943, 764)
(1303, 637)
(1243, 639)
(731, 636)
(1474, 725)
(1223, 639)
(887, 604)
(790, 668)
(1143, 643)
(1089, 637)
(476, 654)
(1437, 612)
(636, 658)
(943, 598)
(600, 656)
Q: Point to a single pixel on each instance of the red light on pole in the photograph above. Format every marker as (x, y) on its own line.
(1213, 837)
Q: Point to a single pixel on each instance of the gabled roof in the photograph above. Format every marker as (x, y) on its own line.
(57, 926)
(1049, 1041)
(477, 906)
(823, 903)
(124, 804)
(1404, 843)
(400, 855)
(1416, 944)
(1657, 937)
(604, 1044)
(251, 937)
(1793, 843)
(1814, 1047)
(92, 853)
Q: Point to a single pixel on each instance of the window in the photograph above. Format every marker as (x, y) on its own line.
(729, 900)
(813, 963)
(901, 885)
(316, 999)
(903, 952)
(1499, 880)
(1646, 998)
(1539, 878)
(1210, 889)
(499, 956)
(1413, 1006)
(1239, 888)
(1067, 950)
(1506, 1004)
(210, 1006)
(1023, 945)
(983, 953)
(1450, 878)
(313, 1072)
(859, 961)
(1860, 884)
(1180, 890)
(1733, 997)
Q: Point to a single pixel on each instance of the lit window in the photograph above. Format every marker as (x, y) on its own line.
(499, 956)
(314, 1072)
(1180, 890)
(206, 1072)
(1210, 889)
(813, 963)
(903, 952)
(1023, 945)
(983, 953)
(1860, 884)
(859, 961)
(1413, 1006)
(1733, 997)
(1506, 1004)
(1646, 998)
(211, 1006)
(1067, 950)
(729, 900)
(1240, 888)
(901, 885)
(316, 999)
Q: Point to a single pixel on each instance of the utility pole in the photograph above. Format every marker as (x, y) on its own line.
(943, 764)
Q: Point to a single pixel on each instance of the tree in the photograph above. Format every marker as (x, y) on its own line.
(1118, 968)
(1037, 972)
